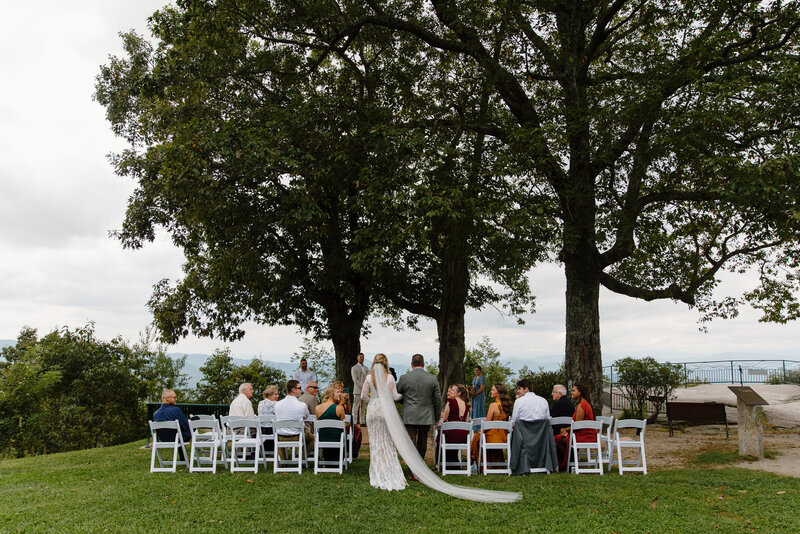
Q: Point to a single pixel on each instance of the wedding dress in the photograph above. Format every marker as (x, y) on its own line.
(384, 467)
(391, 421)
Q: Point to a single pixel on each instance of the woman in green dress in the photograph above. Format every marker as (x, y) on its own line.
(330, 408)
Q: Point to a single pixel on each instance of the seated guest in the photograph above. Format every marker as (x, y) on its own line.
(241, 405)
(291, 409)
(562, 406)
(330, 409)
(344, 399)
(267, 407)
(581, 396)
(500, 410)
(456, 409)
(529, 406)
(309, 397)
(169, 412)
(532, 444)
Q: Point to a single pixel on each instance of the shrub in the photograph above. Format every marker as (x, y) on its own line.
(543, 381)
(488, 357)
(646, 379)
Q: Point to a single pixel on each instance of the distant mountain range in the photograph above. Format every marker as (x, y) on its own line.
(194, 361)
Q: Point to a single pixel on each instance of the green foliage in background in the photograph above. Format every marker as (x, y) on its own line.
(320, 360)
(643, 379)
(488, 357)
(222, 377)
(69, 390)
(543, 381)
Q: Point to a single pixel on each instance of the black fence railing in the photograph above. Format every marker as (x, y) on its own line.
(711, 372)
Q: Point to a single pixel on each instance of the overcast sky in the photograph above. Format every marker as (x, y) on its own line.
(60, 198)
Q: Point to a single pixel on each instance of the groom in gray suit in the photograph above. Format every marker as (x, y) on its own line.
(422, 401)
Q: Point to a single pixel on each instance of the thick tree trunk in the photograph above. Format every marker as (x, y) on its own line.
(583, 361)
(450, 323)
(345, 330)
(346, 346)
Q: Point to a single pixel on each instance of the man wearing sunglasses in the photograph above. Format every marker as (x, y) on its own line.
(291, 409)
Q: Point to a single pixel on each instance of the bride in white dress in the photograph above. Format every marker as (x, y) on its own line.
(384, 467)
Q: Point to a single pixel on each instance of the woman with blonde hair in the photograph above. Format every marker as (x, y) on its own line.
(267, 407)
(384, 467)
(330, 409)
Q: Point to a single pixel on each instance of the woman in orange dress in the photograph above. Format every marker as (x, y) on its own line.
(581, 395)
(500, 410)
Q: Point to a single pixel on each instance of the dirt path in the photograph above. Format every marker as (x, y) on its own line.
(679, 451)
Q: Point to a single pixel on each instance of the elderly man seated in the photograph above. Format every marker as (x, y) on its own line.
(292, 409)
(532, 443)
(241, 405)
(170, 412)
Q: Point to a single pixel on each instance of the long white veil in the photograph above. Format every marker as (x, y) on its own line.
(415, 462)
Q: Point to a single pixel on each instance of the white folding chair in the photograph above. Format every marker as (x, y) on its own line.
(202, 417)
(606, 436)
(340, 444)
(266, 423)
(226, 437)
(177, 444)
(206, 435)
(294, 448)
(619, 442)
(351, 435)
(503, 468)
(593, 462)
(458, 447)
(247, 445)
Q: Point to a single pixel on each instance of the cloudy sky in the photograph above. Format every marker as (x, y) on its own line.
(60, 198)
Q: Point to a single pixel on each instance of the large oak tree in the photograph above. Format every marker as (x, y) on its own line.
(665, 133)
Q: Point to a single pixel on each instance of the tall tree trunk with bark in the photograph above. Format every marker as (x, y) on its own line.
(450, 323)
(583, 360)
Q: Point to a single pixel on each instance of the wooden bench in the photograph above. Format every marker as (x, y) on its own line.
(697, 412)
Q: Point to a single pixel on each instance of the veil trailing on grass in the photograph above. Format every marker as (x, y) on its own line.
(415, 462)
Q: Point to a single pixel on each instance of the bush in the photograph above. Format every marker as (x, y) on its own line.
(543, 381)
(69, 391)
(488, 357)
(222, 377)
(645, 379)
(792, 377)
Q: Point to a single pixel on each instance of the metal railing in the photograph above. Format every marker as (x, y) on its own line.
(711, 372)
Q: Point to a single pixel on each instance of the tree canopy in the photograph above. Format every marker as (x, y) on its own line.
(647, 145)
(664, 132)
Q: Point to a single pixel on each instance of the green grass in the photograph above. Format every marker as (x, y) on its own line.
(111, 490)
(725, 454)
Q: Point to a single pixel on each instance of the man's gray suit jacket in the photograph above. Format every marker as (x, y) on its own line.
(422, 399)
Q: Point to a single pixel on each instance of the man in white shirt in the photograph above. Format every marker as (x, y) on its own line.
(292, 409)
(529, 406)
(358, 372)
(303, 375)
(241, 405)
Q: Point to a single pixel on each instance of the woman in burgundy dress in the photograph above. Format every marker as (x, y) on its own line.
(456, 409)
(581, 395)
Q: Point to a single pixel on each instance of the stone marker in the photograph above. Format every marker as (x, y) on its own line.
(751, 421)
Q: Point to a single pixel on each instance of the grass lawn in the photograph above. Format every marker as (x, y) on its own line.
(111, 490)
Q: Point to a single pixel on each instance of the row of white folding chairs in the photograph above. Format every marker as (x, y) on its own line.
(464, 466)
(609, 440)
(247, 449)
